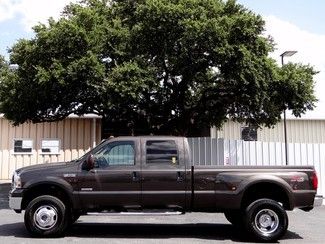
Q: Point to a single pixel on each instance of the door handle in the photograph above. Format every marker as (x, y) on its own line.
(179, 177)
(135, 176)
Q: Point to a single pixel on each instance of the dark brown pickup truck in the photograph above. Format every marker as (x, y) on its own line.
(146, 174)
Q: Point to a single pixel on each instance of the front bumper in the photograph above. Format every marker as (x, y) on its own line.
(15, 199)
(318, 201)
(15, 202)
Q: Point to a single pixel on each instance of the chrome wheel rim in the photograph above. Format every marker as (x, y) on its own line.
(267, 221)
(45, 217)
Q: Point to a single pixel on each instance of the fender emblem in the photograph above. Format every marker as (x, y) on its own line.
(87, 189)
(69, 175)
(297, 179)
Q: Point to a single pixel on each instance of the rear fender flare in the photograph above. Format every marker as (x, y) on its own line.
(255, 180)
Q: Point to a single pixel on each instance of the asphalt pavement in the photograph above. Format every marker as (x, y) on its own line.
(304, 227)
(4, 190)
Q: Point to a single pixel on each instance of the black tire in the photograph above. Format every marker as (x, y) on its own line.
(46, 216)
(235, 217)
(74, 217)
(266, 220)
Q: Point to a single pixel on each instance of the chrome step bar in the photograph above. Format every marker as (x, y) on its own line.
(134, 213)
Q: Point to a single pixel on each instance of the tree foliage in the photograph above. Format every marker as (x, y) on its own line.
(154, 66)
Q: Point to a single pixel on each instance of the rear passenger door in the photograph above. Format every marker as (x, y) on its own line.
(163, 173)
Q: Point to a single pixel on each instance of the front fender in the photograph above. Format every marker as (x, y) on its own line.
(49, 181)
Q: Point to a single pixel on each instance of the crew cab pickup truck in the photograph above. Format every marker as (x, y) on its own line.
(154, 173)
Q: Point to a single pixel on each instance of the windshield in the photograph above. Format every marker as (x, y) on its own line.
(93, 150)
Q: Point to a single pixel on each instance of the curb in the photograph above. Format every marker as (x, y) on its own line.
(5, 181)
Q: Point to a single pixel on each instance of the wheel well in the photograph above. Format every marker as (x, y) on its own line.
(46, 189)
(265, 190)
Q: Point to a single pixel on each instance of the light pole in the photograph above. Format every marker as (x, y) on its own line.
(286, 54)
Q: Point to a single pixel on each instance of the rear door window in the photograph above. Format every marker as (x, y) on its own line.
(162, 151)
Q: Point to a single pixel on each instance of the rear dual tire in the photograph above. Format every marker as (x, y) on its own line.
(235, 217)
(266, 220)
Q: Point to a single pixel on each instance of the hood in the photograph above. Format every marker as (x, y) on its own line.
(42, 167)
(44, 172)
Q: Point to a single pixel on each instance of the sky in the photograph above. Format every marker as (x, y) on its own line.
(295, 25)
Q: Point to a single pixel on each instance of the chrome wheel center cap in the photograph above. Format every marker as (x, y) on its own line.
(265, 220)
(45, 217)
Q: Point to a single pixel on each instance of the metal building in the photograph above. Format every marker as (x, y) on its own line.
(298, 131)
(30, 144)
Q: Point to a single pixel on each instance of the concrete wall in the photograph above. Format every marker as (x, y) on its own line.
(298, 131)
(76, 136)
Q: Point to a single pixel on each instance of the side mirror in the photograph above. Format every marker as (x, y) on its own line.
(89, 163)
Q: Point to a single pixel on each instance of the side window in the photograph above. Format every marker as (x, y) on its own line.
(113, 154)
(50, 146)
(249, 133)
(23, 146)
(162, 152)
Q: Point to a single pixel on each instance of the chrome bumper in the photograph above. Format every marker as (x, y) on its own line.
(318, 201)
(15, 202)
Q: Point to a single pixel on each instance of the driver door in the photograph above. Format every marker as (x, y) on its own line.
(115, 180)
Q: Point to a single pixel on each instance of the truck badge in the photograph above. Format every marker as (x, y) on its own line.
(69, 175)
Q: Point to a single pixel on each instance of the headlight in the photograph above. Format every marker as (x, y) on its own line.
(16, 181)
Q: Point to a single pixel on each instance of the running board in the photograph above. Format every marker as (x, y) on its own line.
(135, 213)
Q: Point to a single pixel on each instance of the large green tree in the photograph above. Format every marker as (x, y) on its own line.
(153, 66)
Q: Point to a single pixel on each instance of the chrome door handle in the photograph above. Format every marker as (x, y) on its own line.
(135, 176)
(179, 177)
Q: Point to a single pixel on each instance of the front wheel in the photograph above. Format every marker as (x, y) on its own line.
(266, 220)
(46, 216)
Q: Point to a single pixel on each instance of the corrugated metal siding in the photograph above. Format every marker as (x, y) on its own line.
(230, 130)
(75, 135)
(298, 131)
